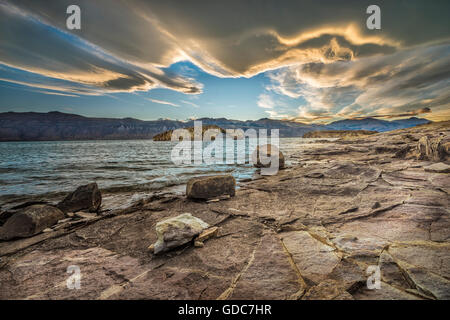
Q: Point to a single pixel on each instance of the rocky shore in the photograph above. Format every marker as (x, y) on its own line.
(310, 232)
(338, 134)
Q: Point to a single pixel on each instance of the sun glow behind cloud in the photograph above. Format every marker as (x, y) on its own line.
(322, 64)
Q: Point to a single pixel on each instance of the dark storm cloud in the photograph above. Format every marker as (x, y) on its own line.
(232, 38)
(28, 44)
(321, 48)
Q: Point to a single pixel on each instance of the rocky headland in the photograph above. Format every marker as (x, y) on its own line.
(338, 133)
(310, 232)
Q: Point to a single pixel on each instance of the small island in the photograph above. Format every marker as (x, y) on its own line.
(167, 135)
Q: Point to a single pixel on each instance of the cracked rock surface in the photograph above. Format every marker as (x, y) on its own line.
(310, 232)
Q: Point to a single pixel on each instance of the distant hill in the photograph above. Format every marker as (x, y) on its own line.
(33, 126)
(338, 133)
(373, 124)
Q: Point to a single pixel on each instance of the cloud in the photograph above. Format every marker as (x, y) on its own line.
(406, 83)
(162, 102)
(190, 103)
(30, 45)
(265, 101)
(320, 51)
(242, 38)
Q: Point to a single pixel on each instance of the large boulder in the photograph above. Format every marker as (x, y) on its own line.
(87, 197)
(267, 151)
(433, 149)
(210, 187)
(174, 232)
(30, 221)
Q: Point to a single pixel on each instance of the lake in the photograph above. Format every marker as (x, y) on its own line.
(48, 169)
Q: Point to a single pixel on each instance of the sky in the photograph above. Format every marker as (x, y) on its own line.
(306, 61)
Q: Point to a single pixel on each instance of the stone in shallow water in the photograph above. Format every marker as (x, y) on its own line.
(177, 231)
(263, 155)
(210, 187)
(30, 221)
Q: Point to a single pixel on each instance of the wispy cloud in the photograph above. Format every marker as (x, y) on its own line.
(265, 101)
(162, 102)
(190, 103)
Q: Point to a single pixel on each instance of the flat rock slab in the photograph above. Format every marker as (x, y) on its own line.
(327, 290)
(267, 272)
(386, 292)
(438, 167)
(44, 274)
(314, 259)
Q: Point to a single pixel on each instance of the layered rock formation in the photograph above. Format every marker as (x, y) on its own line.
(317, 230)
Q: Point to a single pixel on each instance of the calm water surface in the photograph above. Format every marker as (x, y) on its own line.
(39, 168)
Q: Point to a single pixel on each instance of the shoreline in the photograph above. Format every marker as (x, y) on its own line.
(309, 232)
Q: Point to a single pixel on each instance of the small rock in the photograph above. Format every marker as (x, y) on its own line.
(439, 167)
(225, 197)
(85, 215)
(210, 187)
(198, 244)
(208, 233)
(30, 221)
(70, 214)
(177, 231)
(376, 205)
(87, 197)
(315, 175)
(47, 230)
(64, 220)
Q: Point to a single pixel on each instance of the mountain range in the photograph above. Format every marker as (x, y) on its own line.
(34, 126)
